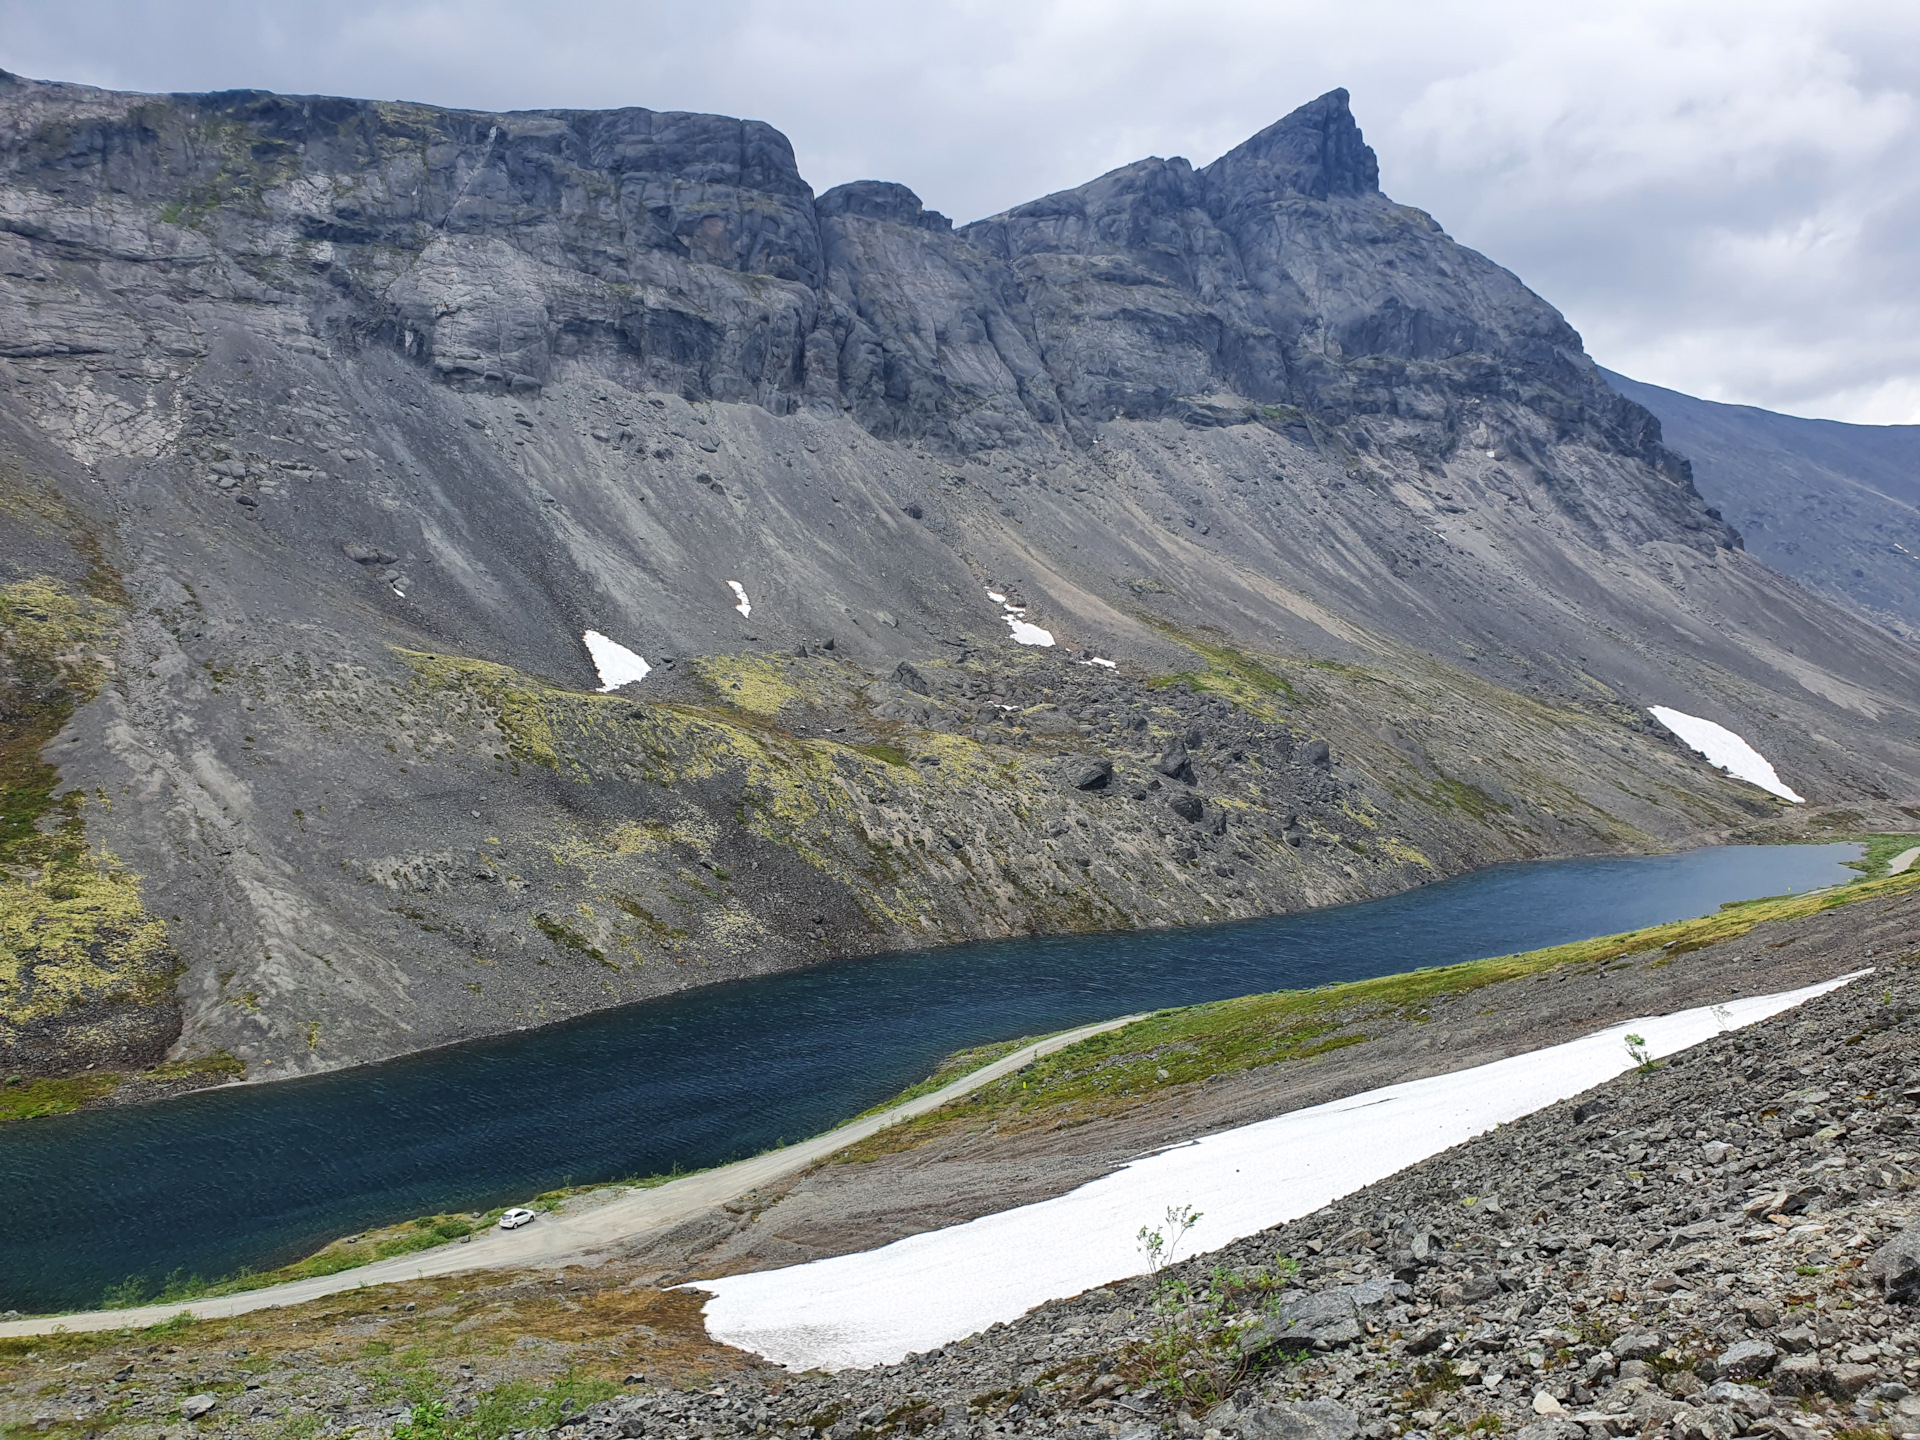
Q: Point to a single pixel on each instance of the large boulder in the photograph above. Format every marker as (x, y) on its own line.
(1322, 1320)
(1298, 1420)
(1895, 1266)
(1174, 763)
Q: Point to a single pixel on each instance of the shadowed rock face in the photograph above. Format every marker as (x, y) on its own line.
(1835, 506)
(359, 415)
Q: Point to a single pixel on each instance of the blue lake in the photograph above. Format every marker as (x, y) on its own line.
(254, 1176)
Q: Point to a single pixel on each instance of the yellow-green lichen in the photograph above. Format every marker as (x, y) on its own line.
(76, 943)
(755, 683)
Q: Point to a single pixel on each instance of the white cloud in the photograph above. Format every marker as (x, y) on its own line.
(1716, 193)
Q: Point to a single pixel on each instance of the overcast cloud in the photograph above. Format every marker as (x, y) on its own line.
(1722, 195)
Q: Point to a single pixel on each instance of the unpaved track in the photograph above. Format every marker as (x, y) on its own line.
(556, 1240)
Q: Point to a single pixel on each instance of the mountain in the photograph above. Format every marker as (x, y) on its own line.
(1835, 506)
(331, 431)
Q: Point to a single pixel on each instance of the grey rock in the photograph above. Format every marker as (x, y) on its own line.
(1706, 1422)
(1748, 1400)
(194, 1406)
(1801, 1375)
(1093, 775)
(1174, 762)
(1322, 1319)
(1748, 1360)
(1848, 1380)
(1302, 1420)
(1895, 1266)
(1187, 806)
(1637, 1345)
(1796, 1341)
(1553, 1427)
(905, 674)
(1317, 753)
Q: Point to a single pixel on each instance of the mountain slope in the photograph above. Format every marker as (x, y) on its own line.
(332, 427)
(1835, 506)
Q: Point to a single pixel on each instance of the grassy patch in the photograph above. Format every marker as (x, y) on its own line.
(755, 683)
(1230, 673)
(1110, 1072)
(887, 754)
(961, 1062)
(427, 1232)
(517, 1405)
(1880, 852)
(220, 1065)
(23, 1099)
(567, 938)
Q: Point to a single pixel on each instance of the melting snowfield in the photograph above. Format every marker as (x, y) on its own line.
(875, 1307)
(744, 606)
(1725, 749)
(617, 665)
(1024, 633)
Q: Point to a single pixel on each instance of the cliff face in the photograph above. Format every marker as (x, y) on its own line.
(338, 424)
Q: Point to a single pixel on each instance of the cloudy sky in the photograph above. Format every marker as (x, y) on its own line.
(1722, 195)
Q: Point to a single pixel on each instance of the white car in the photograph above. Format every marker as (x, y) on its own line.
(515, 1218)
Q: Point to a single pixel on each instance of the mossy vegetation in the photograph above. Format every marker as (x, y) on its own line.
(1230, 673)
(425, 1232)
(755, 683)
(1880, 852)
(26, 1098)
(76, 943)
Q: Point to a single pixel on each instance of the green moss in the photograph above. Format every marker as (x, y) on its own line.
(519, 703)
(24, 1099)
(1469, 799)
(220, 1065)
(755, 683)
(1230, 673)
(567, 938)
(886, 754)
(1880, 852)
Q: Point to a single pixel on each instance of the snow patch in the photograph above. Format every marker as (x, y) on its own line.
(617, 665)
(1097, 660)
(875, 1307)
(1724, 749)
(745, 607)
(996, 597)
(1025, 634)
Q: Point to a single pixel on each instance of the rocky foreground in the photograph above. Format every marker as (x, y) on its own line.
(1722, 1245)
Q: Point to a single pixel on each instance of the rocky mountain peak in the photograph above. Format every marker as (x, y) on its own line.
(880, 200)
(1317, 151)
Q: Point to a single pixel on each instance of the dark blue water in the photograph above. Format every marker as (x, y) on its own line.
(258, 1175)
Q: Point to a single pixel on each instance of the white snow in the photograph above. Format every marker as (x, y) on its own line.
(617, 665)
(1097, 660)
(739, 590)
(996, 597)
(875, 1307)
(1025, 634)
(1725, 749)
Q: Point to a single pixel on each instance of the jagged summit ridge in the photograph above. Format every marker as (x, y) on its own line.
(1317, 151)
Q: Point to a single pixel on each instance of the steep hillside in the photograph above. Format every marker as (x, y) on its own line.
(1835, 506)
(329, 428)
